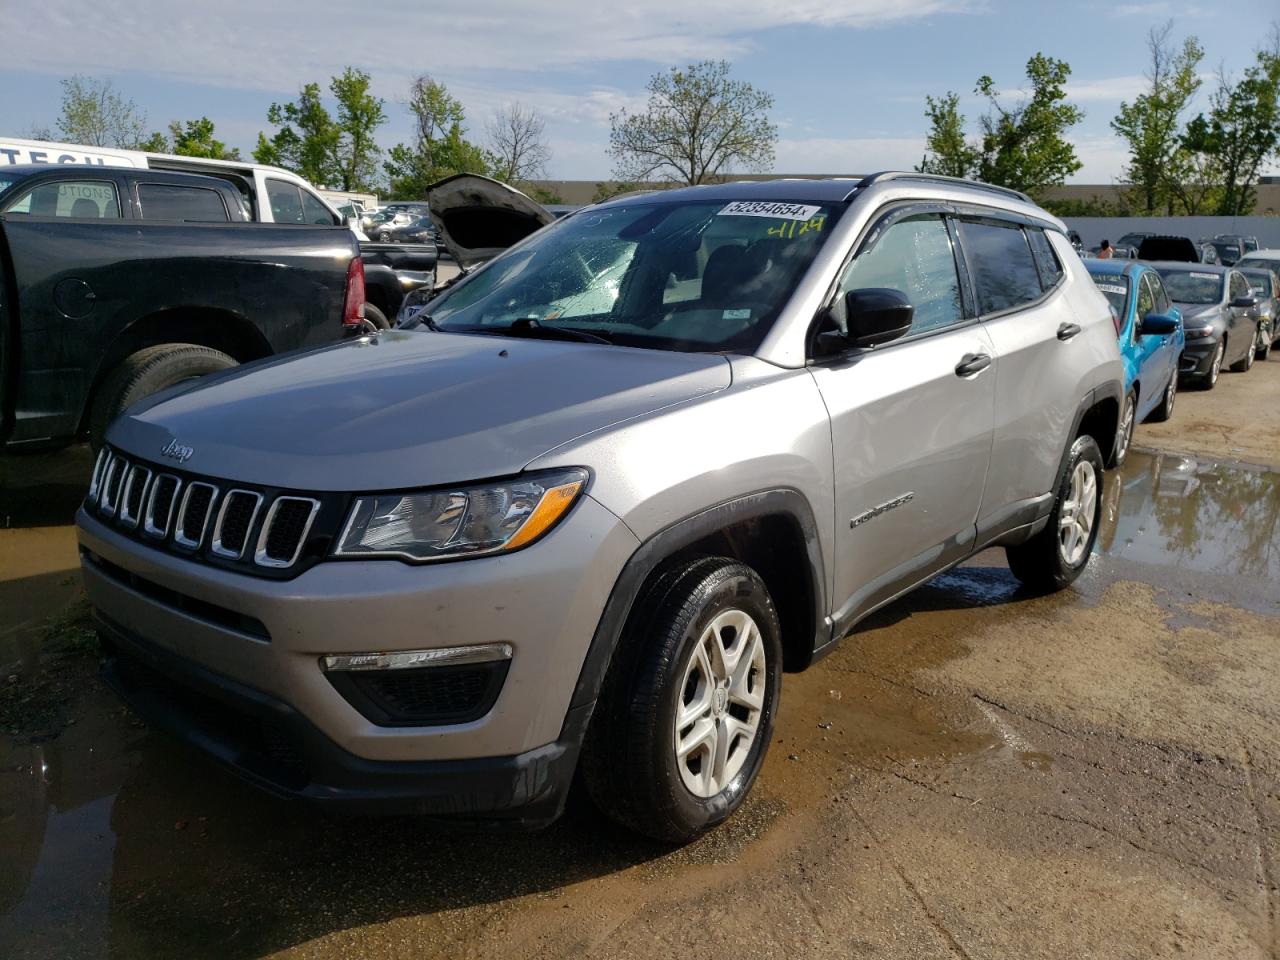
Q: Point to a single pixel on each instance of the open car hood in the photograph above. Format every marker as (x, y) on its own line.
(477, 217)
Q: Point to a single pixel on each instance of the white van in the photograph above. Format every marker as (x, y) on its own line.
(271, 195)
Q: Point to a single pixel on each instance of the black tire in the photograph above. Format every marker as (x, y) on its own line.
(1210, 379)
(1245, 363)
(376, 317)
(1124, 435)
(1040, 562)
(146, 372)
(1165, 410)
(629, 761)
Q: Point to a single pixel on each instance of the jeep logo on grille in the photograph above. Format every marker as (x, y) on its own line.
(177, 451)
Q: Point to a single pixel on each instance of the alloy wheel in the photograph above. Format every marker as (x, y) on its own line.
(1170, 395)
(1076, 516)
(721, 701)
(1125, 435)
(1215, 368)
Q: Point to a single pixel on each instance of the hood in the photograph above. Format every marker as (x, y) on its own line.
(409, 409)
(477, 218)
(1198, 314)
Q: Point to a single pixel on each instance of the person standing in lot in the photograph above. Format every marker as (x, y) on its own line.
(1105, 252)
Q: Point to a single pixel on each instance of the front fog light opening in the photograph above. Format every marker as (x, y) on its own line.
(412, 688)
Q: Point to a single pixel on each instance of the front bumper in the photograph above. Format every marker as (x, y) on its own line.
(255, 646)
(270, 744)
(1197, 356)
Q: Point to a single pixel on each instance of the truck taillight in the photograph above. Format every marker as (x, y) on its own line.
(353, 306)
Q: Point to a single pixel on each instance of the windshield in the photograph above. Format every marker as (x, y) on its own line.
(1116, 288)
(1227, 249)
(1191, 286)
(694, 276)
(1259, 282)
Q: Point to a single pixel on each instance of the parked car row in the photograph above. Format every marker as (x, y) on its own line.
(1178, 321)
(1225, 249)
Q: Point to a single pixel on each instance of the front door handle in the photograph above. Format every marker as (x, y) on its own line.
(1068, 330)
(972, 363)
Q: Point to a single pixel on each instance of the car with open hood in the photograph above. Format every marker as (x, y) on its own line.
(1219, 318)
(572, 519)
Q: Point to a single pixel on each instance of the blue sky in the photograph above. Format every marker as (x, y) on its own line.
(849, 77)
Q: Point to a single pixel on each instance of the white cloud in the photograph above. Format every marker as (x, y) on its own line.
(276, 46)
(1140, 9)
(1112, 89)
(851, 155)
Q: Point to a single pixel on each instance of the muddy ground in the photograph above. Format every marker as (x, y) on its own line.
(974, 773)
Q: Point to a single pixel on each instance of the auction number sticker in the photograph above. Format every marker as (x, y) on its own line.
(1204, 276)
(1112, 288)
(766, 208)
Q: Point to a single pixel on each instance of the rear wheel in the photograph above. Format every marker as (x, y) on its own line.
(146, 372)
(1245, 363)
(376, 317)
(685, 719)
(1163, 412)
(1053, 558)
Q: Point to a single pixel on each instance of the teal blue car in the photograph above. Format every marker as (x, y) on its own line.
(1151, 339)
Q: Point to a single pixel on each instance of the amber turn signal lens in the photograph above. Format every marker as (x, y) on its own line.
(549, 509)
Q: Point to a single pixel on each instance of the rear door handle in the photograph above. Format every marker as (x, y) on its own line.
(972, 363)
(1068, 330)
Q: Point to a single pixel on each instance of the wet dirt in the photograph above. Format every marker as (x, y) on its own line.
(974, 772)
(1239, 419)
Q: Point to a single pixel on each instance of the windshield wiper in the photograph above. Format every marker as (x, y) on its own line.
(424, 319)
(530, 326)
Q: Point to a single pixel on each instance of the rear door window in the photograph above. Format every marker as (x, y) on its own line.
(286, 204)
(1004, 271)
(73, 199)
(170, 201)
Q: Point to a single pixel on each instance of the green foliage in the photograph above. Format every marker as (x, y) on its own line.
(1022, 146)
(329, 152)
(610, 189)
(359, 116)
(1151, 124)
(544, 194)
(95, 113)
(440, 147)
(1242, 131)
(697, 124)
(192, 139)
(307, 139)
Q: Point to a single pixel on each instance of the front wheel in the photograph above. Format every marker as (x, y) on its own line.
(1124, 436)
(1215, 366)
(1053, 558)
(685, 719)
(1264, 344)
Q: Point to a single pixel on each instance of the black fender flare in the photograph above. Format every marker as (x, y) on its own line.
(652, 552)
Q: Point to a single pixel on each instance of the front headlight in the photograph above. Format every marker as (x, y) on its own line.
(1196, 333)
(464, 521)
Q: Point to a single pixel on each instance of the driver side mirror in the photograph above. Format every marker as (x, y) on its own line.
(1158, 324)
(1246, 302)
(872, 316)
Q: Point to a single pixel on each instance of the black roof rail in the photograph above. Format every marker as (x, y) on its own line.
(939, 178)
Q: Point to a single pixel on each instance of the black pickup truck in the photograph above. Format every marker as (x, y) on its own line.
(117, 282)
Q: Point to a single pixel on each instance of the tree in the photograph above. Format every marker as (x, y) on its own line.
(307, 140)
(1151, 124)
(1193, 179)
(1242, 130)
(697, 124)
(95, 113)
(517, 142)
(192, 139)
(1022, 146)
(355, 157)
(440, 145)
(948, 152)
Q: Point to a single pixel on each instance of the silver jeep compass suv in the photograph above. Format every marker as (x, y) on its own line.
(587, 504)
